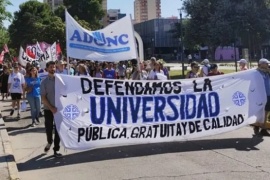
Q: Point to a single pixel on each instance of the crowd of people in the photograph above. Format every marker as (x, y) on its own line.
(26, 83)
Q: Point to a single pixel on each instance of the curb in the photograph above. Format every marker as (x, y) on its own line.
(10, 160)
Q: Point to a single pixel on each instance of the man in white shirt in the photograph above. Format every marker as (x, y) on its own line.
(16, 84)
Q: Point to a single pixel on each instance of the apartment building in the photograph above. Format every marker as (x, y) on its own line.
(145, 10)
(54, 3)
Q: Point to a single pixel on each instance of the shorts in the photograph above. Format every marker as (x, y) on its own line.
(16, 96)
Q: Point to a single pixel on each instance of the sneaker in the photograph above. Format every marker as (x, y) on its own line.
(12, 112)
(33, 125)
(256, 130)
(37, 121)
(264, 132)
(18, 115)
(47, 147)
(57, 154)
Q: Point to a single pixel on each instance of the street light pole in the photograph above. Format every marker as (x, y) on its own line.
(181, 44)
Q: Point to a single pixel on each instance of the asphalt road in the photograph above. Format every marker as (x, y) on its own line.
(235, 155)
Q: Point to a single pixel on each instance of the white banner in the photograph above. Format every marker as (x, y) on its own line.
(36, 50)
(24, 58)
(95, 113)
(116, 42)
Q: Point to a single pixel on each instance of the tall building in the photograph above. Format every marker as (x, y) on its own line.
(146, 10)
(54, 3)
(104, 5)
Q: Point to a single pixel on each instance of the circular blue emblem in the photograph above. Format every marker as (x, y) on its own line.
(239, 98)
(71, 112)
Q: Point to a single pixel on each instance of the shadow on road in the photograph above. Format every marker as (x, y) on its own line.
(10, 119)
(13, 131)
(42, 161)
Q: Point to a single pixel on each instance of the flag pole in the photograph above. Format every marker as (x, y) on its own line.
(68, 69)
(135, 44)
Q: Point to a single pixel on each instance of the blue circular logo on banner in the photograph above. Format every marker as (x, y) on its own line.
(71, 112)
(239, 98)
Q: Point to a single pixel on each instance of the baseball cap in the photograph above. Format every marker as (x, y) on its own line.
(153, 58)
(264, 61)
(205, 61)
(61, 62)
(242, 61)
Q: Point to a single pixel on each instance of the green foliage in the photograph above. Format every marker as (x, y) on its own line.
(4, 37)
(224, 22)
(89, 11)
(35, 22)
(4, 14)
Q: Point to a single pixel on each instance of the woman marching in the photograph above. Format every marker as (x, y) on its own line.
(33, 94)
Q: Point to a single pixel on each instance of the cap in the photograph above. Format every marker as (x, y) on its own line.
(205, 61)
(61, 62)
(153, 59)
(264, 61)
(242, 61)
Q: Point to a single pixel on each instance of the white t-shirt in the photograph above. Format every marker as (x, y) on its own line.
(205, 70)
(153, 74)
(16, 80)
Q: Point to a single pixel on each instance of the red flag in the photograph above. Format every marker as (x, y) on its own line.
(6, 50)
(30, 54)
(58, 48)
(58, 51)
(15, 59)
(2, 57)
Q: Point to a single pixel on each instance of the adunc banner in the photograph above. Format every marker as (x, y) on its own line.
(116, 42)
(95, 113)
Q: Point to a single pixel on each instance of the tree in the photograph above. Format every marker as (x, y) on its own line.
(4, 14)
(88, 10)
(35, 22)
(4, 37)
(224, 22)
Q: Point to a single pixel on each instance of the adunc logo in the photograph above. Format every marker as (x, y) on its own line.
(239, 98)
(98, 36)
(71, 112)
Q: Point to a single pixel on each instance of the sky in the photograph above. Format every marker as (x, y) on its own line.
(168, 7)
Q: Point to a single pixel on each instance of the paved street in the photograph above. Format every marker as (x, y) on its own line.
(235, 155)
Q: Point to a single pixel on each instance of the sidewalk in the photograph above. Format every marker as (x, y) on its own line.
(8, 166)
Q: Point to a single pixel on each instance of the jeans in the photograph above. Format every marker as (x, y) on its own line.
(49, 125)
(35, 104)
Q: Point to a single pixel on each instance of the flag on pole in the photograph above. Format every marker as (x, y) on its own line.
(115, 42)
(6, 50)
(2, 57)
